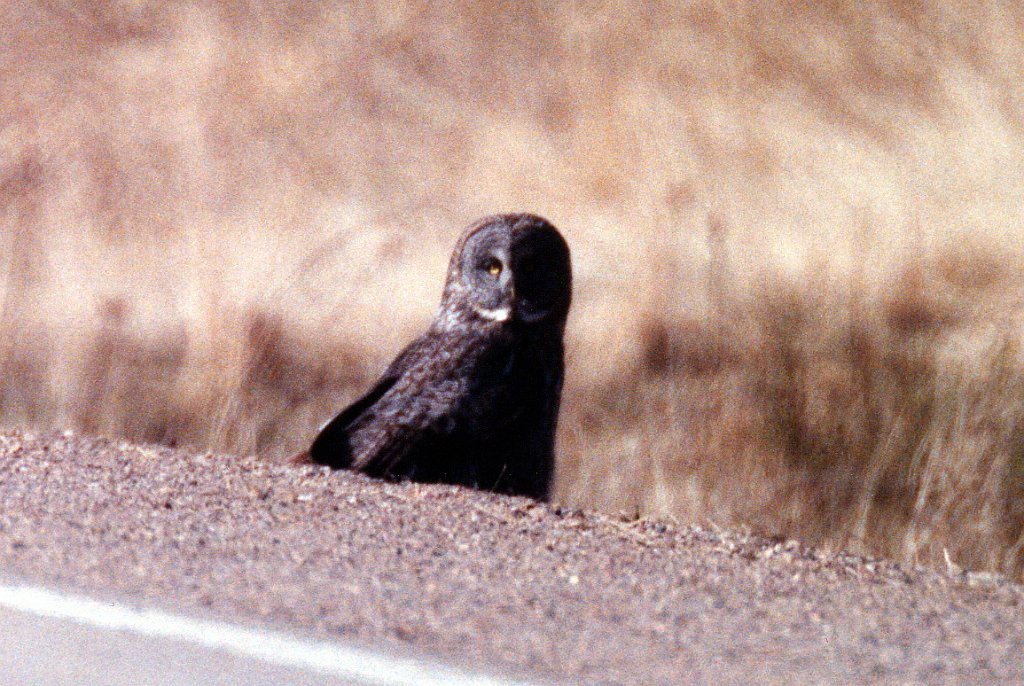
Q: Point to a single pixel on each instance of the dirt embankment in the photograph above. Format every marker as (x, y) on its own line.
(482, 579)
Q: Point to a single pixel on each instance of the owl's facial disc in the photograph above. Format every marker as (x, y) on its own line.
(516, 267)
(540, 262)
(487, 275)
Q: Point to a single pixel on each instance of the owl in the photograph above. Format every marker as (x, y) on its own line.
(474, 400)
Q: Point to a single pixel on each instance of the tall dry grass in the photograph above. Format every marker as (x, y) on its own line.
(795, 228)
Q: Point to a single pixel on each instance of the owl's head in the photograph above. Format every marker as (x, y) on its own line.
(510, 267)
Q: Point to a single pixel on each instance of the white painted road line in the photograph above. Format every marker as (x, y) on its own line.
(356, 665)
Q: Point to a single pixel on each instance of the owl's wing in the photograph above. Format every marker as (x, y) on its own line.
(455, 391)
(331, 445)
(437, 390)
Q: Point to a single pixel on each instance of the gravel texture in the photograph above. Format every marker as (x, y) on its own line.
(484, 580)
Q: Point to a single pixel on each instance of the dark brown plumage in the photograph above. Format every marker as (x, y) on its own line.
(474, 400)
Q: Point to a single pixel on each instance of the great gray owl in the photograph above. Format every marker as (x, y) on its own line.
(474, 400)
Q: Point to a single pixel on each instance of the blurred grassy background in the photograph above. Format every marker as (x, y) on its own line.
(796, 235)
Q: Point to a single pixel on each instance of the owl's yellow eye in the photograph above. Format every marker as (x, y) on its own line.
(493, 266)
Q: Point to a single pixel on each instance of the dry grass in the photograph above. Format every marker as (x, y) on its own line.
(796, 235)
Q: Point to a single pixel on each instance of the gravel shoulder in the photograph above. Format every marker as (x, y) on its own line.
(484, 580)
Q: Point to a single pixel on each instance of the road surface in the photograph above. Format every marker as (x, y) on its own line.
(484, 584)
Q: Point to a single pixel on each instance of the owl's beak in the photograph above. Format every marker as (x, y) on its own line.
(508, 286)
